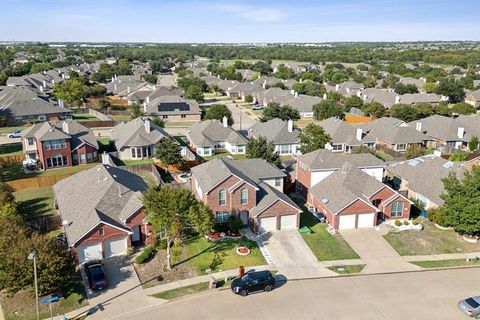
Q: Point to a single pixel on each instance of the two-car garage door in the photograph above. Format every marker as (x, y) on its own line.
(352, 221)
(287, 222)
(113, 247)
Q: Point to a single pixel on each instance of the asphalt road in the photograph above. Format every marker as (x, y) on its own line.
(413, 295)
(5, 140)
(240, 118)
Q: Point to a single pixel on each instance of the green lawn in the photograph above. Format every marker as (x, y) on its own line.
(348, 269)
(133, 162)
(22, 304)
(223, 154)
(125, 118)
(103, 145)
(16, 171)
(446, 263)
(183, 291)
(5, 130)
(202, 255)
(431, 240)
(324, 245)
(35, 202)
(11, 149)
(84, 117)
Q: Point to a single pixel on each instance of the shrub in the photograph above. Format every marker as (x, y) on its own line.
(414, 222)
(398, 223)
(130, 251)
(436, 215)
(146, 254)
(249, 99)
(405, 222)
(234, 223)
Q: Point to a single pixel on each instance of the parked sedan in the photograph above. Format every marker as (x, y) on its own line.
(253, 281)
(15, 134)
(257, 107)
(96, 275)
(470, 306)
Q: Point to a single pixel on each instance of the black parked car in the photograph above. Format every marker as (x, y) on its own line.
(95, 274)
(253, 281)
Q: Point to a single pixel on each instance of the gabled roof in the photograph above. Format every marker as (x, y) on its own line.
(394, 131)
(268, 196)
(170, 104)
(275, 130)
(327, 160)
(207, 132)
(342, 132)
(447, 129)
(137, 133)
(303, 102)
(100, 194)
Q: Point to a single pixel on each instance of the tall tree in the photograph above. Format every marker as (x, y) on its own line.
(463, 108)
(168, 152)
(136, 111)
(275, 110)
(452, 89)
(353, 102)
(312, 138)
(174, 212)
(404, 112)
(69, 91)
(217, 112)
(8, 206)
(263, 149)
(327, 109)
(374, 109)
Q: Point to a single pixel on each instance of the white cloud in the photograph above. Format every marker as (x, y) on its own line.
(254, 13)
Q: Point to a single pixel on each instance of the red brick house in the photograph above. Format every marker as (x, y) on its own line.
(251, 190)
(350, 198)
(102, 212)
(59, 144)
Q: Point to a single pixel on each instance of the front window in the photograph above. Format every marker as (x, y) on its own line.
(165, 116)
(244, 196)
(222, 197)
(241, 149)
(278, 182)
(183, 116)
(222, 217)
(57, 160)
(397, 209)
(89, 157)
(401, 147)
(101, 232)
(337, 147)
(30, 141)
(285, 149)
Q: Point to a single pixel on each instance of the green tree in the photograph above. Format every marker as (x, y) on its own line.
(151, 78)
(158, 122)
(312, 138)
(473, 144)
(374, 109)
(452, 89)
(174, 212)
(136, 111)
(249, 99)
(104, 104)
(3, 79)
(461, 198)
(217, 112)
(353, 102)
(414, 151)
(401, 88)
(263, 149)
(69, 91)
(275, 110)
(8, 206)
(194, 93)
(327, 109)
(284, 72)
(403, 112)
(309, 88)
(168, 152)
(429, 87)
(463, 108)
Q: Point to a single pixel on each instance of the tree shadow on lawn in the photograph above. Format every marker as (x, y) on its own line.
(35, 208)
(218, 248)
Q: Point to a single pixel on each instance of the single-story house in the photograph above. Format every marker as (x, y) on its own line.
(281, 133)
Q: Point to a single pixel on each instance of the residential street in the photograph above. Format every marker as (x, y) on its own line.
(413, 295)
(237, 113)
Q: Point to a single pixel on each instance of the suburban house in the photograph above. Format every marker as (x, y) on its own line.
(211, 136)
(303, 103)
(473, 98)
(315, 166)
(102, 212)
(421, 178)
(137, 139)
(344, 136)
(350, 198)
(123, 88)
(20, 105)
(272, 95)
(285, 138)
(251, 190)
(384, 97)
(172, 108)
(349, 88)
(449, 132)
(395, 135)
(59, 144)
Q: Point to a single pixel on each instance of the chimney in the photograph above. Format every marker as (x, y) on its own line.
(148, 99)
(115, 77)
(418, 126)
(364, 96)
(63, 76)
(324, 96)
(290, 125)
(115, 87)
(296, 94)
(44, 83)
(60, 103)
(144, 106)
(359, 134)
(397, 99)
(128, 90)
(292, 92)
(437, 153)
(264, 85)
(461, 132)
(147, 125)
(359, 93)
(225, 122)
(41, 88)
(301, 80)
(337, 87)
(65, 127)
(105, 158)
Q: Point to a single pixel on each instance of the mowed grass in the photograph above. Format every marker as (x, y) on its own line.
(183, 291)
(11, 149)
(447, 263)
(431, 240)
(16, 171)
(35, 202)
(348, 269)
(224, 154)
(84, 117)
(6, 130)
(221, 255)
(324, 245)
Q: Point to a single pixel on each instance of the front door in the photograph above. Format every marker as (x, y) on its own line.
(244, 217)
(136, 236)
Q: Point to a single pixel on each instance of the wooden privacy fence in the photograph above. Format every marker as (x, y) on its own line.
(358, 119)
(145, 169)
(36, 182)
(99, 124)
(45, 224)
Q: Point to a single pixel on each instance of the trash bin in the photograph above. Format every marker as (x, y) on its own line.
(241, 271)
(424, 213)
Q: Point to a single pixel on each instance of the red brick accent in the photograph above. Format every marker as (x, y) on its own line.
(137, 219)
(84, 150)
(279, 208)
(304, 179)
(387, 210)
(44, 154)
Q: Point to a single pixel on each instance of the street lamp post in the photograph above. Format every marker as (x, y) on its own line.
(33, 256)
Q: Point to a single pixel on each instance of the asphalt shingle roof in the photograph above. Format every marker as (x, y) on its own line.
(275, 130)
(207, 132)
(326, 160)
(134, 134)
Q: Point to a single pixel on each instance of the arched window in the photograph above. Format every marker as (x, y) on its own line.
(244, 196)
(222, 197)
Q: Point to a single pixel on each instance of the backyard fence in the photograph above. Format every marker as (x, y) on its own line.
(36, 182)
(45, 224)
(99, 115)
(9, 161)
(99, 124)
(145, 168)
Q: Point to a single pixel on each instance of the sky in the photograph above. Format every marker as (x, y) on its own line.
(245, 21)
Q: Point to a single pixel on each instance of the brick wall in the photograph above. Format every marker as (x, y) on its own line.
(233, 200)
(45, 154)
(304, 179)
(279, 208)
(137, 220)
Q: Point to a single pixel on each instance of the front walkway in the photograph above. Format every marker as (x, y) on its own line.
(375, 251)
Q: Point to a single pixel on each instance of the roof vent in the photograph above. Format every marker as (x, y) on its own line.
(324, 200)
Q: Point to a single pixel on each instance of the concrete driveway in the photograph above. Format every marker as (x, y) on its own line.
(377, 254)
(5, 140)
(291, 255)
(124, 293)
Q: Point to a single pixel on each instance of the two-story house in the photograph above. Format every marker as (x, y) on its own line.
(251, 190)
(281, 133)
(59, 144)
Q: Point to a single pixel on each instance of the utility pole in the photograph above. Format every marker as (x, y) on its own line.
(33, 256)
(240, 110)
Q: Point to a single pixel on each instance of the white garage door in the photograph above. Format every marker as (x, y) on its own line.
(89, 252)
(366, 220)
(267, 224)
(347, 222)
(115, 247)
(288, 222)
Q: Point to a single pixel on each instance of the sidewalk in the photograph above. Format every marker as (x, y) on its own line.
(445, 256)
